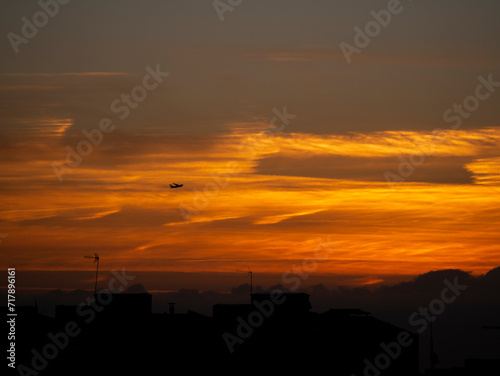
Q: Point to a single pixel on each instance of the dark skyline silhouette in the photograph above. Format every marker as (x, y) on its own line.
(249, 331)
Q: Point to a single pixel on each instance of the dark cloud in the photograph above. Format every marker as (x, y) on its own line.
(138, 288)
(440, 170)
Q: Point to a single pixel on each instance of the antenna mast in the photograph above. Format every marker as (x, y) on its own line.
(433, 356)
(251, 281)
(96, 261)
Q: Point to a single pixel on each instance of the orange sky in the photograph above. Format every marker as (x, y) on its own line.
(268, 222)
(318, 177)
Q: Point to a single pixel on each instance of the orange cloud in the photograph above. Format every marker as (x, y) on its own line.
(119, 204)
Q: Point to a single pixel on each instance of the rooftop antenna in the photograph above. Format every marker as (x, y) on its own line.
(251, 281)
(433, 357)
(171, 308)
(96, 261)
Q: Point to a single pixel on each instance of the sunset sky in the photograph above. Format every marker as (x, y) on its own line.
(258, 191)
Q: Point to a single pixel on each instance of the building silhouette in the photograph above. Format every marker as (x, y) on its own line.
(275, 332)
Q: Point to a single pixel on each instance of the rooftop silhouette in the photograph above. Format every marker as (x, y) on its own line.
(275, 332)
(278, 327)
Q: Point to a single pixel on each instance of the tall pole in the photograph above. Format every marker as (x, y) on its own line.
(96, 274)
(432, 347)
(251, 284)
(433, 356)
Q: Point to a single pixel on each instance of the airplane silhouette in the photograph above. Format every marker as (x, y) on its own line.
(175, 185)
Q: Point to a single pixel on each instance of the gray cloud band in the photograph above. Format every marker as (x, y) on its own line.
(122, 107)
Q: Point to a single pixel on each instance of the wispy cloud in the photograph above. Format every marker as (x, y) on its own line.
(312, 54)
(268, 219)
